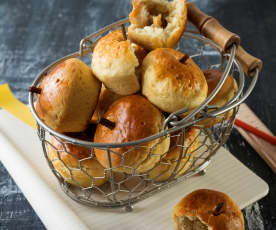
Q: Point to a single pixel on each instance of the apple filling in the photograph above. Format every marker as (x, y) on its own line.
(191, 223)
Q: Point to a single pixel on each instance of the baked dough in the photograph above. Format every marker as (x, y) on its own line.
(157, 23)
(106, 98)
(165, 168)
(171, 85)
(135, 118)
(206, 209)
(63, 161)
(114, 63)
(69, 95)
(224, 95)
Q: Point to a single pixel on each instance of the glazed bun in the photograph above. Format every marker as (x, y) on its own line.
(135, 118)
(224, 95)
(227, 91)
(167, 164)
(207, 209)
(70, 156)
(171, 85)
(140, 52)
(114, 63)
(106, 98)
(69, 94)
(157, 23)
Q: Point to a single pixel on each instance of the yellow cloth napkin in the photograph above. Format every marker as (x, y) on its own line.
(9, 102)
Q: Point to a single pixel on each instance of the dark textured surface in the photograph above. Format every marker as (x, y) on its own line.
(35, 33)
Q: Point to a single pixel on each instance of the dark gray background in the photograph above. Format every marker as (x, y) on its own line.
(35, 33)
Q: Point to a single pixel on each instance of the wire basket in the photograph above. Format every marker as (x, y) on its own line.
(123, 189)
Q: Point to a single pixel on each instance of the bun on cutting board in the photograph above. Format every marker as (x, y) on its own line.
(224, 95)
(167, 164)
(69, 94)
(157, 23)
(66, 157)
(206, 209)
(170, 83)
(114, 63)
(135, 118)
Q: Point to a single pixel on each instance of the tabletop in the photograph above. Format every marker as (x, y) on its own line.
(35, 33)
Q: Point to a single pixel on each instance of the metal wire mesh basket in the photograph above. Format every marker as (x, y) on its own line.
(123, 189)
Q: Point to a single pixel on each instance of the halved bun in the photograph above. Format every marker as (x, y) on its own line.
(114, 63)
(157, 23)
(206, 209)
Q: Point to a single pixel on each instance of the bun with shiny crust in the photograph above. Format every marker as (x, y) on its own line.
(65, 156)
(167, 164)
(135, 118)
(114, 63)
(224, 95)
(106, 98)
(170, 83)
(157, 23)
(206, 209)
(226, 92)
(69, 94)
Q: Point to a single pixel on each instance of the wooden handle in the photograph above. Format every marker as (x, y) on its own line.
(211, 28)
(248, 62)
(196, 16)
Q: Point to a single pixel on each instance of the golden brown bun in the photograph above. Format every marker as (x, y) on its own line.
(106, 98)
(171, 85)
(224, 95)
(227, 91)
(196, 211)
(140, 52)
(90, 166)
(135, 118)
(157, 23)
(69, 96)
(114, 63)
(163, 171)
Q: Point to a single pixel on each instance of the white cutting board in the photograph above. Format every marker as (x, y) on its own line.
(21, 153)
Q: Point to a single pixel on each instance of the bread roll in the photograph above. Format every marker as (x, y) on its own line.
(157, 23)
(224, 95)
(106, 98)
(171, 85)
(135, 118)
(68, 97)
(167, 165)
(140, 52)
(70, 157)
(226, 92)
(114, 63)
(207, 210)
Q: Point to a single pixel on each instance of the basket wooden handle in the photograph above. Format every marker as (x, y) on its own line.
(248, 62)
(212, 29)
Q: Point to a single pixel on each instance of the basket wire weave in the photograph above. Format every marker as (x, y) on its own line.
(126, 189)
